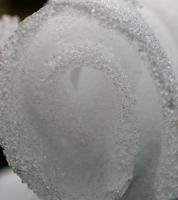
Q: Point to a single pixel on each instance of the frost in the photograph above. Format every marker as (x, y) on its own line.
(87, 94)
(7, 26)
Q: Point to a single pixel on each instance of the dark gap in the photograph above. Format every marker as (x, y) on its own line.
(3, 161)
(21, 8)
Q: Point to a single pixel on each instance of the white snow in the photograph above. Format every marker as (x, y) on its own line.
(88, 104)
(8, 25)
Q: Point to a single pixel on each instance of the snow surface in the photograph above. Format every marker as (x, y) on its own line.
(8, 25)
(89, 104)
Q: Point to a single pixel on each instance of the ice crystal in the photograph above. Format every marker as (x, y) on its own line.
(88, 99)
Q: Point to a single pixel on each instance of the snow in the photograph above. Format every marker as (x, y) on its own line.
(88, 104)
(7, 26)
